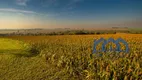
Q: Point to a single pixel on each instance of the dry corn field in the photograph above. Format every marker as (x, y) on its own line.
(69, 57)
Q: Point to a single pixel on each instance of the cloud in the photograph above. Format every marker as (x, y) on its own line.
(22, 2)
(16, 10)
(27, 12)
(50, 3)
(72, 4)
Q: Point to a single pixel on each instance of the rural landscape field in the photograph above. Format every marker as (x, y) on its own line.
(70, 39)
(68, 57)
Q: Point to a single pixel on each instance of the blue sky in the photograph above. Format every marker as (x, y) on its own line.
(69, 13)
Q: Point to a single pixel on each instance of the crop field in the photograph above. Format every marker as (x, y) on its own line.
(68, 57)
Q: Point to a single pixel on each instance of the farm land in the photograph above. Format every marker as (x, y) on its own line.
(68, 57)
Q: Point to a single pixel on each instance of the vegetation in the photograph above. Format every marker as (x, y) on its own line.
(69, 57)
(71, 32)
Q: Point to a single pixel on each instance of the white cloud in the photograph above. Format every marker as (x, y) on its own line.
(21, 12)
(72, 4)
(16, 10)
(22, 2)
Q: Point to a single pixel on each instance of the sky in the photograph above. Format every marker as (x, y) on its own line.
(25, 14)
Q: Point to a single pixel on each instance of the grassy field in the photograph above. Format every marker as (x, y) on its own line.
(68, 57)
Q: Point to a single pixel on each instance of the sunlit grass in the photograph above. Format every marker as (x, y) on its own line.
(9, 44)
